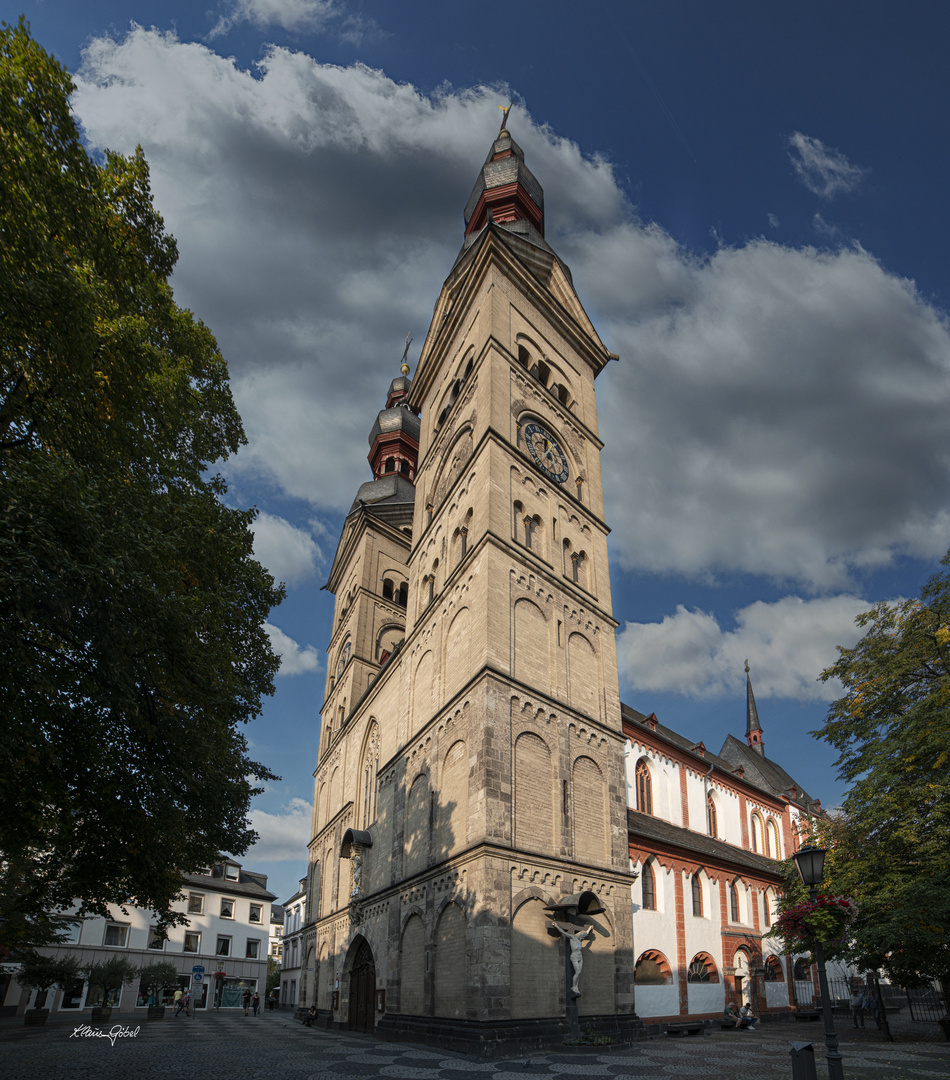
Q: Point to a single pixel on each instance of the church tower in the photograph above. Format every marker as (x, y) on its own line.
(468, 781)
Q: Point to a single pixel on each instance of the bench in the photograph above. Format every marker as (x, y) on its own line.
(684, 1029)
(730, 1025)
(808, 1014)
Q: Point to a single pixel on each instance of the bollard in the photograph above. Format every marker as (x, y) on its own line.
(803, 1061)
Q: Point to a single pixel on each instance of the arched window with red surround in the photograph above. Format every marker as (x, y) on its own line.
(711, 818)
(648, 888)
(757, 841)
(644, 787)
(652, 969)
(702, 969)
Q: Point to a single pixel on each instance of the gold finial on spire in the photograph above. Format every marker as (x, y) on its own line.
(505, 109)
(404, 367)
(747, 667)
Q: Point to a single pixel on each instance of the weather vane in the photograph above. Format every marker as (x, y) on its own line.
(504, 119)
(404, 368)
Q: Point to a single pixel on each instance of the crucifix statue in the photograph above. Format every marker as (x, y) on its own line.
(575, 939)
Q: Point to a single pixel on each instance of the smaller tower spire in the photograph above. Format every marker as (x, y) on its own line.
(753, 729)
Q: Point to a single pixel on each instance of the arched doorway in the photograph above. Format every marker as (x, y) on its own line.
(362, 989)
(742, 980)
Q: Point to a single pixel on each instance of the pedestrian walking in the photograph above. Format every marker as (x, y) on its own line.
(873, 1007)
(246, 1000)
(177, 1001)
(256, 1001)
(186, 1002)
(857, 1008)
(272, 1001)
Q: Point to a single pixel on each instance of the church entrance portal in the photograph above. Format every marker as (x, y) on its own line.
(362, 989)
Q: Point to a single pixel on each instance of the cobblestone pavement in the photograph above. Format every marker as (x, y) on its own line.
(275, 1047)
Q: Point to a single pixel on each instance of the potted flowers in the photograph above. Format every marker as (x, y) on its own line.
(825, 919)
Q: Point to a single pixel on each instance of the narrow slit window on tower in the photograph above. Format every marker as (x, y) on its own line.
(711, 816)
(644, 788)
(697, 888)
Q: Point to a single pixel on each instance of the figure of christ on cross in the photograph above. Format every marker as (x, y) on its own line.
(575, 939)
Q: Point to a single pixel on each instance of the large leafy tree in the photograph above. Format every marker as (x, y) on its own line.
(890, 844)
(131, 608)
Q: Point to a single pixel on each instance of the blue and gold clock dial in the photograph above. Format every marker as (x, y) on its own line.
(546, 452)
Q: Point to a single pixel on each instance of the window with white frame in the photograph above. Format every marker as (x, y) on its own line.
(227, 908)
(116, 936)
(192, 941)
(253, 950)
(196, 903)
(256, 913)
(156, 938)
(223, 948)
(70, 932)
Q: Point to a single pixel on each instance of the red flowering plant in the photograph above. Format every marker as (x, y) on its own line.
(826, 919)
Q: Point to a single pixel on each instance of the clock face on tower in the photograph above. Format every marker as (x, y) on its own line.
(546, 452)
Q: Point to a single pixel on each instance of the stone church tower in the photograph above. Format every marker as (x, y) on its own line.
(469, 776)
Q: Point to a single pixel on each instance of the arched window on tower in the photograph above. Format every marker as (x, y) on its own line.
(697, 889)
(711, 816)
(387, 589)
(644, 787)
(733, 902)
(390, 465)
(402, 594)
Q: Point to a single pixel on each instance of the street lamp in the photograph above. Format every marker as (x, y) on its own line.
(811, 864)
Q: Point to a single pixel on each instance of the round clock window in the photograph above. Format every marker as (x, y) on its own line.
(546, 452)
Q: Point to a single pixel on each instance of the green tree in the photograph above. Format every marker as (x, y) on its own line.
(273, 976)
(131, 609)
(892, 727)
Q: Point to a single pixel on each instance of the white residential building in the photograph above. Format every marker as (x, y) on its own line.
(295, 915)
(228, 911)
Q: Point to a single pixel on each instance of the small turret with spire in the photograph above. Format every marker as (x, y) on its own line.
(753, 729)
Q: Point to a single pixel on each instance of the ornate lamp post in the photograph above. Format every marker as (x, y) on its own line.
(811, 865)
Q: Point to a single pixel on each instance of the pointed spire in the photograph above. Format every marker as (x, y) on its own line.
(506, 190)
(394, 439)
(753, 729)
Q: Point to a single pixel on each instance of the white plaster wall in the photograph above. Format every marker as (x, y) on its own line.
(730, 828)
(706, 997)
(657, 1001)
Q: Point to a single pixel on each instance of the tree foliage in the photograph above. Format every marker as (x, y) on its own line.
(892, 727)
(131, 608)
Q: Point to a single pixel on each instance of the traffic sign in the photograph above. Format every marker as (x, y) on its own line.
(197, 977)
(198, 967)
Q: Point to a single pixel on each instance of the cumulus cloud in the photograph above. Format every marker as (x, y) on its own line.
(787, 643)
(283, 836)
(293, 15)
(824, 171)
(776, 411)
(289, 553)
(294, 660)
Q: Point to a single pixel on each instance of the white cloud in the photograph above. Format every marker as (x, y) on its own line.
(776, 411)
(293, 15)
(289, 553)
(294, 660)
(824, 171)
(282, 836)
(787, 643)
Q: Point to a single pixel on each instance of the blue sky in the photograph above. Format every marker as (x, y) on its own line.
(751, 198)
